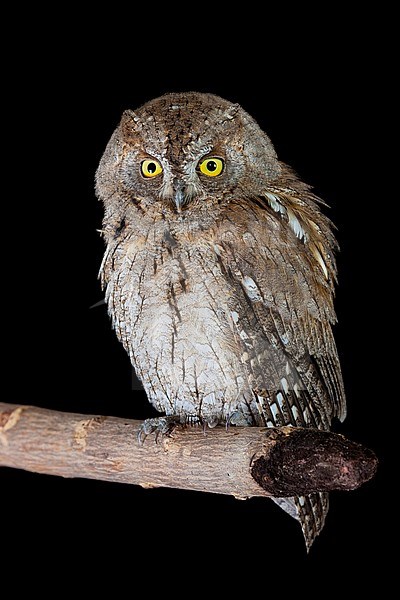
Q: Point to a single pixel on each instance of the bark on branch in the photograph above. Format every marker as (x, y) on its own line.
(243, 462)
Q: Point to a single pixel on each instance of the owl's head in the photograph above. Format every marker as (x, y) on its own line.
(183, 150)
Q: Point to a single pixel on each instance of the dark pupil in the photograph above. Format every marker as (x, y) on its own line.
(152, 167)
(211, 165)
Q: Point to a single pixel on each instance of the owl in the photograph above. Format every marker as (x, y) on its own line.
(219, 274)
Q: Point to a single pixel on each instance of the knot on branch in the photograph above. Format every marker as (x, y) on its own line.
(302, 461)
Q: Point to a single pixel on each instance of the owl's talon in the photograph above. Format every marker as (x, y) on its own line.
(161, 426)
(211, 422)
(239, 419)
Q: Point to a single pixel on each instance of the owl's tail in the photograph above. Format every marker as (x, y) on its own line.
(310, 511)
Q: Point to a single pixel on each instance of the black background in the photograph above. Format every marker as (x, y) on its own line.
(319, 106)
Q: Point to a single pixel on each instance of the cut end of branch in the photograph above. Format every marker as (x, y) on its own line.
(303, 461)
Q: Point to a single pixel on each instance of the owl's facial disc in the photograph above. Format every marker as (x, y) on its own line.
(181, 182)
(187, 151)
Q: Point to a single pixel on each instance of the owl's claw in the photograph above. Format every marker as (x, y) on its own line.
(160, 426)
(164, 426)
(239, 419)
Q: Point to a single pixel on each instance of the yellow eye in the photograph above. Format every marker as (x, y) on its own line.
(211, 166)
(151, 168)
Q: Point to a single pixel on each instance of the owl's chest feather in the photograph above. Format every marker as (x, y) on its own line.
(180, 290)
(176, 322)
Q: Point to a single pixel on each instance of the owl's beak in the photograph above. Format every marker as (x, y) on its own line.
(179, 199)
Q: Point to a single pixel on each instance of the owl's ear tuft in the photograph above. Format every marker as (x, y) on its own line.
(129, 115)
(129, 122)
(232, 111)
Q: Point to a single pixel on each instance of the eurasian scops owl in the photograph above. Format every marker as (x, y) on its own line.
(219, 274)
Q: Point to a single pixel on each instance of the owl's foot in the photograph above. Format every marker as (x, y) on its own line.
(239, 419)
(163, 426)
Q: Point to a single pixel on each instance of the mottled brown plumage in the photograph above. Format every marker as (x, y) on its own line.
(219, 273)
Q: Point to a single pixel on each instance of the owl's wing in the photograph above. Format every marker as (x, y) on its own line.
(284, 329)
(289, 313)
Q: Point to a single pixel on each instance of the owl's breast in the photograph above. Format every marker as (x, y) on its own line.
(172, 308)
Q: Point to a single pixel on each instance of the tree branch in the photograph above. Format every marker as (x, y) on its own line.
(243, 462)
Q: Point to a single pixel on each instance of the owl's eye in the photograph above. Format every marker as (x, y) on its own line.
(151, 168)
(211, 166)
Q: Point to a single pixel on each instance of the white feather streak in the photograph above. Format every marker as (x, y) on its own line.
(275, 203)
(285, 385)
(295, 225)
(251, 289)
(320, 260)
